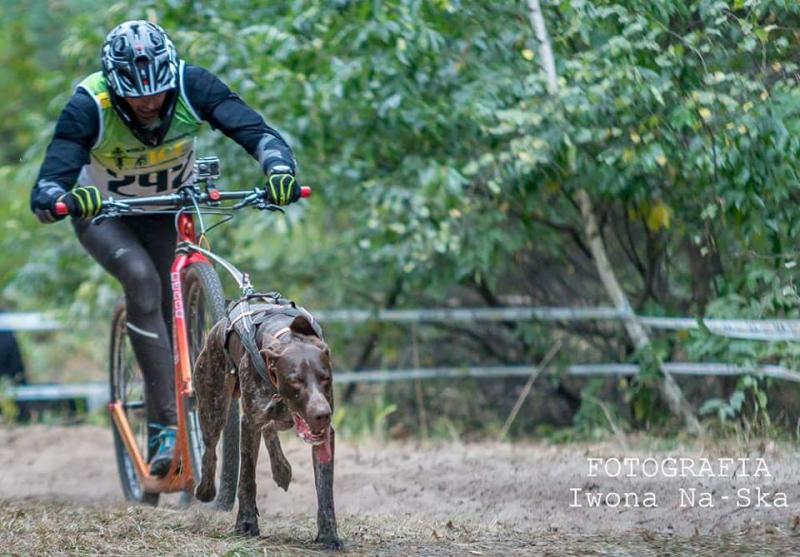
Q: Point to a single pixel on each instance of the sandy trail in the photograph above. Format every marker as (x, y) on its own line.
(523, 486)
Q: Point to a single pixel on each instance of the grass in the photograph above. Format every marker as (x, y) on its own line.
(48, 528)
(58, 528)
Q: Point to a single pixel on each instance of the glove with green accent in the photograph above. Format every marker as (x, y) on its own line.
(83, 202)
(281, 188)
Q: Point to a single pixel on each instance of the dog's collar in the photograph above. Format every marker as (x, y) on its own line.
(282, 332)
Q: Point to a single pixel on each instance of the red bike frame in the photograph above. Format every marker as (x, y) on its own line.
(178, 478)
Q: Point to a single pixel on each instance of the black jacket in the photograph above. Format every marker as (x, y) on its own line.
(79, 124)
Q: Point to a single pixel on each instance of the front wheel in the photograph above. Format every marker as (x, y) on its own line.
(204, 303)
(127, 388)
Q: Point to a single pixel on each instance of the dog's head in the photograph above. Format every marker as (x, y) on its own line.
(299, 366)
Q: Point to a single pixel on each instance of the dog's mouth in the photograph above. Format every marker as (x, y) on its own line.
(303, 431)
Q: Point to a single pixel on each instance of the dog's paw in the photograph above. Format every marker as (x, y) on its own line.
(282, 472)
(206, 491)
(247, 526)
(330, 542)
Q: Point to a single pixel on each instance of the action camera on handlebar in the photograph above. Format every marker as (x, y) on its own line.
(206, 168)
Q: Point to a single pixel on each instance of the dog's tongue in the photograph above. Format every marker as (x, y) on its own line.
(304, 432)
(322, 442)
(301, 427)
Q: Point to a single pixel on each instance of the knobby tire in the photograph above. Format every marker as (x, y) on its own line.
(125, 377)
(204, 304)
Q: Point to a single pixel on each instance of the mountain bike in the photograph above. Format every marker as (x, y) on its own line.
(198, 302)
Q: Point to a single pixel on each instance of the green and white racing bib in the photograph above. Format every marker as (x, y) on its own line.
(121, 166)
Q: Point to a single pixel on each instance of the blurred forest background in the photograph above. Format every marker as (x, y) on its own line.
(446, 174)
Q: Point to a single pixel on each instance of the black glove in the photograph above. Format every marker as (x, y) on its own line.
(281, 187)
(43, 201)
(83, 202)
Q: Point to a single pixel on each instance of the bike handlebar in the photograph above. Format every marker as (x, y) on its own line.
(185, 197)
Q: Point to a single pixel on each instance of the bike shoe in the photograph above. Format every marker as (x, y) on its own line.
(165, 441)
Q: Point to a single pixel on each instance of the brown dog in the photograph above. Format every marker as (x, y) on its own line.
(297, 392)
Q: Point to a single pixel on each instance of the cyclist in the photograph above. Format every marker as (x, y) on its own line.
(129, 130)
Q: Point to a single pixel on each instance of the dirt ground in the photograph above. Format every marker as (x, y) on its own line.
(59, 494)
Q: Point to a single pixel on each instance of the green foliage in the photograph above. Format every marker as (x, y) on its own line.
(444, 172)
(366, 420)
(755, 414)
(642, 393)
(8, 407)
(595, 418)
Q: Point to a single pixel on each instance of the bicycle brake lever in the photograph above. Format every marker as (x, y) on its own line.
(246, 201)
(111, 212)
(264, 206)
(100, 218)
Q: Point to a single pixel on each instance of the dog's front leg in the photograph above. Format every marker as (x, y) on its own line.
(281, 469)
(323, 480)
(247, 519)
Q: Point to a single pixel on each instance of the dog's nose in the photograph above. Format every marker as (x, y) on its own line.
(319, 419)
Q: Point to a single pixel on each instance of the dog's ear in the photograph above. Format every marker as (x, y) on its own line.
(272, 371)
(272, 348)
(302, 325)
(271, 352)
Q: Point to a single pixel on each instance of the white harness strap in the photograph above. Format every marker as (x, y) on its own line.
(239, 317)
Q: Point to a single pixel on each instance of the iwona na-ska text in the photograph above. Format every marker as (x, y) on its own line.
(628, 469)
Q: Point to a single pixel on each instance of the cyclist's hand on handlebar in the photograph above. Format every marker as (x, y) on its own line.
(281, 187)
(43, 201)
(83, 202)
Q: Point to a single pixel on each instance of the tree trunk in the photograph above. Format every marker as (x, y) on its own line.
(669, 388)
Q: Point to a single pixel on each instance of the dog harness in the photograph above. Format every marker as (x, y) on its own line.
(270, 310)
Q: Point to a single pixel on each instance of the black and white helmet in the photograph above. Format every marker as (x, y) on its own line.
(139, 60)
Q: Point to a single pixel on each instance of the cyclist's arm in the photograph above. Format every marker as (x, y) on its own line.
(74, 136)
(215, 103)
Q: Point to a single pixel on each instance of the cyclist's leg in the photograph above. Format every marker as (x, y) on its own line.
(157, 235)
(115, 246)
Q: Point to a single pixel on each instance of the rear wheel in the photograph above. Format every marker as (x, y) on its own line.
(127, 387)
(204, 303)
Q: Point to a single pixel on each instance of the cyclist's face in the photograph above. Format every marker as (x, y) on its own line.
(147, 108)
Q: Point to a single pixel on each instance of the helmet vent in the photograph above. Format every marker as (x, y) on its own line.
(120, 45)
(138, 59)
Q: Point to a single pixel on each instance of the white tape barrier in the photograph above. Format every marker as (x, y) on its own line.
(677, 368)
(468, 314)
(27, 322)
(749, 329)
(96, 394)
(689, 368)
(752, 329)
